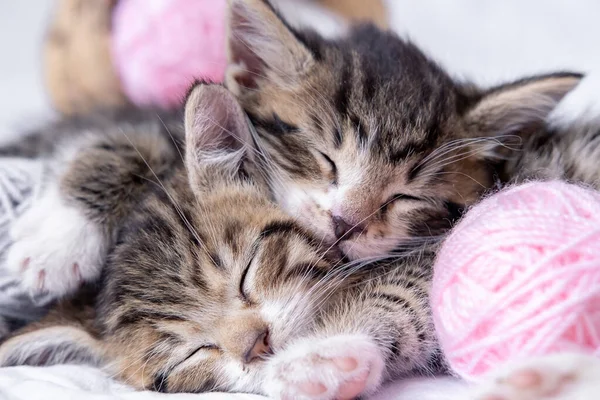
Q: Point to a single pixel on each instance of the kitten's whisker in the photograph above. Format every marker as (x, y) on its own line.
(325, 288)
(455, 144)
(248, 147)
(354, 266)
(328, 288)
(175, 205)
(272, 173)
(453, 158)
(172, 137)
(455, 173)
(341, 274)
(338, 240)
(459, 144)
(418, 253)
(357, 265)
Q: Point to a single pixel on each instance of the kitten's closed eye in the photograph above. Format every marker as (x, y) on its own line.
(282, 126)
(204, 347)
(333, 168)
(399, 197)
(403, 196)
(273, 124)
(243, 294)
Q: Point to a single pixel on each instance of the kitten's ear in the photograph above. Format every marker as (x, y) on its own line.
(217, 136)
(518, 107)
(261, 46)
(51, 345)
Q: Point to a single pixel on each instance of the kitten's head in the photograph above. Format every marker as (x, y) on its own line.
(366, 140)
(208, 279)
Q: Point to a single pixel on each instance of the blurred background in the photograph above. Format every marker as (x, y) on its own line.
(22, 26)
(484, 41)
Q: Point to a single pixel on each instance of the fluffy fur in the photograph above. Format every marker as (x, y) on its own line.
(208, 285)
(369, 142)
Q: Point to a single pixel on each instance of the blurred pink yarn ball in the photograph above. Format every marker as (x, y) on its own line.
(520, 276)
(160, 47)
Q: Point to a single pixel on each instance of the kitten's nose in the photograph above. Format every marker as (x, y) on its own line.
(259, 348)
(343, 230)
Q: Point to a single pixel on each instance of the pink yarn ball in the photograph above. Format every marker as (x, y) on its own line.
(160, 47)
(520, 276)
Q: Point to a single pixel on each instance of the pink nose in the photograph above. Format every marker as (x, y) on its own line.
(259, 348)
(344, 230)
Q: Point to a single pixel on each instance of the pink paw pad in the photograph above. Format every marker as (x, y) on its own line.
(339, 367)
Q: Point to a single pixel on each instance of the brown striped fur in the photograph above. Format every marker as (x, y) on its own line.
(208, 285)
(367, 140)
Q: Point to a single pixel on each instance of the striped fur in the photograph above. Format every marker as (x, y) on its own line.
(208, 285)
(369, 141)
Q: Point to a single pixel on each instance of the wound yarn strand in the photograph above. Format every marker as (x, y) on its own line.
(519, 276)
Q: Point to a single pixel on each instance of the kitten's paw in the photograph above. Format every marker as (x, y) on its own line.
(338, 367)
(559, 377)
(55, 248)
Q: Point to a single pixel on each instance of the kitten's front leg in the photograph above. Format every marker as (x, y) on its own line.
(56, 247)
(94, 181)
(341, 366)
(377, 332)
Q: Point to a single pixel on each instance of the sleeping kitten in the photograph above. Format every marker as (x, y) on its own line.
(369, 142)
(208, 285)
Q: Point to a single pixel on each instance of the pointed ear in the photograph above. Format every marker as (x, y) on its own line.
(516, 108)
(51, 345)
(261, 46)
(217, 135)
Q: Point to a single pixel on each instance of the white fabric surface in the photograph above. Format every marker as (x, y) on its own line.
(73, 382)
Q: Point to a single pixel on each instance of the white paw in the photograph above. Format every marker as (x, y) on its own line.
(337, 367)
(55, 248)
(560, 377)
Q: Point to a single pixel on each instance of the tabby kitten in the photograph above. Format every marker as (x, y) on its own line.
(208, 285)
(368, 141)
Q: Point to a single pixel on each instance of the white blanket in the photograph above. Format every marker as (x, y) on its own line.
(74, 382)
